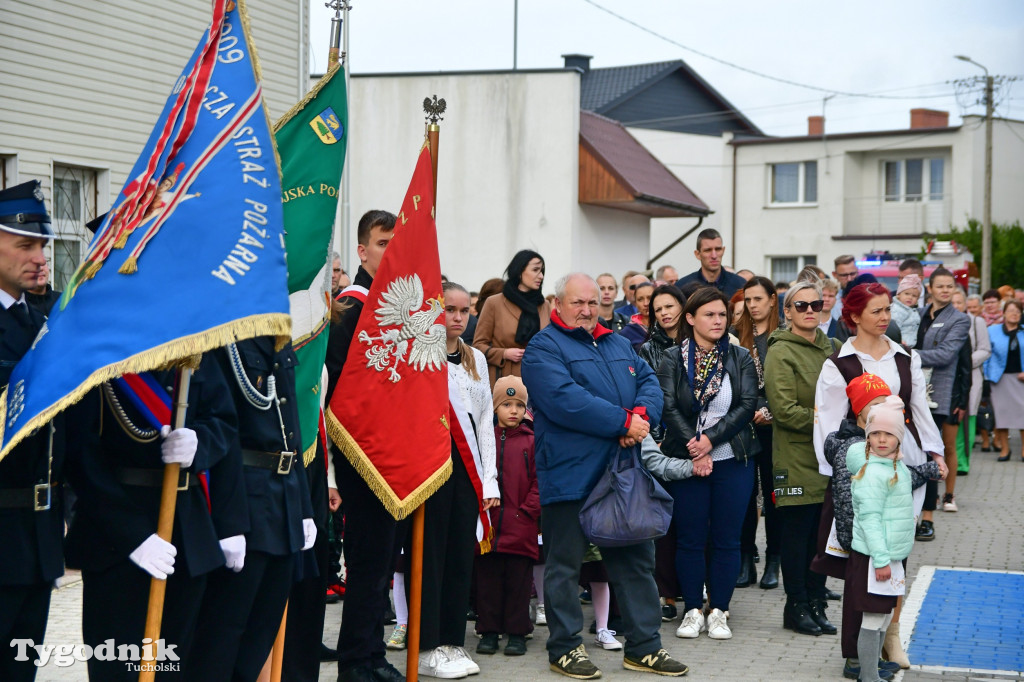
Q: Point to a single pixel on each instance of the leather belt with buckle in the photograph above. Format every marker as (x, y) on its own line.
(153, 478)
(278, 462)
(36, 498)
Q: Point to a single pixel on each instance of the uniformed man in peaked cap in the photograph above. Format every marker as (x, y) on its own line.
(31, 515)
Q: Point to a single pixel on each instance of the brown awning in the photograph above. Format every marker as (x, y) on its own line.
(616, 171)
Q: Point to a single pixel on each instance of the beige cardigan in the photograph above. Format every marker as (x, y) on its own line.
(496, 331)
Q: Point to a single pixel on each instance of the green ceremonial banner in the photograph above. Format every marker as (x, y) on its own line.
(311, 141)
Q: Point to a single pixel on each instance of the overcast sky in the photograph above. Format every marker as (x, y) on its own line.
(899, 48)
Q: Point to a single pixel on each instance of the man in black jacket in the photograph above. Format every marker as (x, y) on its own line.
(371, 537)
(31, 517)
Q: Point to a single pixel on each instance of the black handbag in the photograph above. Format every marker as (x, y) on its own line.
(986, 419)
(627, 506)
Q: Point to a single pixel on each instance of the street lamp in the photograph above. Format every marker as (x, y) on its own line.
(986, 227)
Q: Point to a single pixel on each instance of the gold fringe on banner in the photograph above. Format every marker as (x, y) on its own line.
(313, 92)
(309, 455)
(270, 324)
(397, 507)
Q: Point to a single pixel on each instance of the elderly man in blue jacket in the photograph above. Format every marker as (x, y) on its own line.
(591, 395)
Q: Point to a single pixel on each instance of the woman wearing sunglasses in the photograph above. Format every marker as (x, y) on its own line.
(795, 357)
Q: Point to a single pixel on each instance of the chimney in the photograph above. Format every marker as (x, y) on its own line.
(928, 118)
(815, 125)
(578, 61)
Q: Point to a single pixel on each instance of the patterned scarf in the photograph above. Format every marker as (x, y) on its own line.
(704, 370)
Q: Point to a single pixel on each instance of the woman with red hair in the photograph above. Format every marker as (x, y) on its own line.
(867, 311)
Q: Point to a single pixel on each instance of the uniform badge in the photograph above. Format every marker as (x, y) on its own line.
(510, 391)
(632, 371)
(327, 126)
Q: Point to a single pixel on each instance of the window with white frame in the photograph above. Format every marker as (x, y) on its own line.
(786, 268)
(911, 180)
(794, 183)
(73, 205)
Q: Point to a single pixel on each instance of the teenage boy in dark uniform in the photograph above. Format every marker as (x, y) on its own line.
(242, 609)
(370, 530)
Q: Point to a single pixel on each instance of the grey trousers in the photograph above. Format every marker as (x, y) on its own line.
(630, 570)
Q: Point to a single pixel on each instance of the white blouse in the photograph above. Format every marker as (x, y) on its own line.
(831, 404)
(476, 397)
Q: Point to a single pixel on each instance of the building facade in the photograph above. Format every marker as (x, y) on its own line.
(84, 82)
(789, 202)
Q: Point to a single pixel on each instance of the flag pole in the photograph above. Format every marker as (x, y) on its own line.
(164, 527)
(433, 108)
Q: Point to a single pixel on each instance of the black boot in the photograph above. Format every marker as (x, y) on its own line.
(797, 616)
(817, 609)
(488, 643)
(770, 579)
(748, 574)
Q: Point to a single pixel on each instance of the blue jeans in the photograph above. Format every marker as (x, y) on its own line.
(714, 504)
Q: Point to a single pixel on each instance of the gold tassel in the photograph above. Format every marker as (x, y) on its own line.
(121, 240)
(130, 266)
(92, 270)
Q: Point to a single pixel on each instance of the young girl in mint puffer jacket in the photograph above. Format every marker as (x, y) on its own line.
(883, 526)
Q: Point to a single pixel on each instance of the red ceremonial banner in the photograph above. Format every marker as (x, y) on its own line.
(389, 412)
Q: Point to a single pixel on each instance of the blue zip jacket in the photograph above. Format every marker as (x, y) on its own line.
(996, 363)
(585, 389)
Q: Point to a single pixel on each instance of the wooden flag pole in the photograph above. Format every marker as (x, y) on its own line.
(277, 652)
(164, 527)
(434, 109)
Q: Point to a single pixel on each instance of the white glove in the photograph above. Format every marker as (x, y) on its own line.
(179, 446)
(309, 533)
(234, 552)
(155, 556)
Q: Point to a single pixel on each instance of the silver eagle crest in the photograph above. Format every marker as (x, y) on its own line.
(411, 319)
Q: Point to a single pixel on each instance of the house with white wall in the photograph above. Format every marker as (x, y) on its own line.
(83, 84)
(788, 202)
(521, 165)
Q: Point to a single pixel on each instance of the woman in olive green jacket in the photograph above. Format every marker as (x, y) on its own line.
(794, 359)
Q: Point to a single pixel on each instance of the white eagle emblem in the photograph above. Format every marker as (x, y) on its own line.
(402, 307)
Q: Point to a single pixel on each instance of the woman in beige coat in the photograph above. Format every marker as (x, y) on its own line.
(510, 319)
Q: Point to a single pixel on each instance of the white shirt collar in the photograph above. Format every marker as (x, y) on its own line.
(7, 300)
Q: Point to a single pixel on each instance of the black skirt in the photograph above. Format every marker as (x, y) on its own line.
(855, 589)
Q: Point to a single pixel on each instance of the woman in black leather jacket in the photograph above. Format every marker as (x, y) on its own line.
(665, 325)
(711, 393)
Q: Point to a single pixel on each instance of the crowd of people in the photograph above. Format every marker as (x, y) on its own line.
(830, 406)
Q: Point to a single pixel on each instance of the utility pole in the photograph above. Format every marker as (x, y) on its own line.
(986, 227)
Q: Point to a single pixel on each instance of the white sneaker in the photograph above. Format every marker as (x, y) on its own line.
(437, 663)
(718, 626)
(692, 625)
(542, 618)
(949, 503)
(606, 638)
(458, 653)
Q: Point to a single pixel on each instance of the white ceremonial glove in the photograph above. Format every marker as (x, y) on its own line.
(179, 446)
(155, 556)
(234, 552)
(309, 533)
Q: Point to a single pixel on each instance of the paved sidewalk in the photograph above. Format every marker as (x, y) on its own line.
(985, 534)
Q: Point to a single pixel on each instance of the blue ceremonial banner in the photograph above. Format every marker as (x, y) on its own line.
(190, 256)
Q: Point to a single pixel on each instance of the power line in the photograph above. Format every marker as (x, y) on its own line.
(743, 68)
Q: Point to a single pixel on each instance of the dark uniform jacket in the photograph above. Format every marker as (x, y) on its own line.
(113, 517)
(278, 502)
(31, 540)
